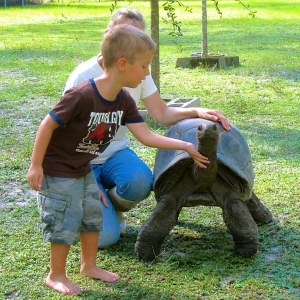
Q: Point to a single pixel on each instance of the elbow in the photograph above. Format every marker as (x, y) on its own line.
(163, 119)
(163, 122)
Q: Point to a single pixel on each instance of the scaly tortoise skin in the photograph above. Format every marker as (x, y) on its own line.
(227, 183)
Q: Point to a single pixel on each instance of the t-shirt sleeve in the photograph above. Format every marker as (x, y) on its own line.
(148, 88)
(84, 71)
(70, 105)
(73, 80)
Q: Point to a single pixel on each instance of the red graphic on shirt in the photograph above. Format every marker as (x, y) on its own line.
(96, 132)
(100, 133)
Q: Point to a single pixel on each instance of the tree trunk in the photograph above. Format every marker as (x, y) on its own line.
(155, 68)
(204, 52)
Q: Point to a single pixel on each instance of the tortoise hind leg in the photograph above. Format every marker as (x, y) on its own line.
(155, 229)
(260, 213)
(241, 225)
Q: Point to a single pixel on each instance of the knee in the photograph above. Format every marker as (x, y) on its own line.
(135, 193)
(136, 188)
(109, 237)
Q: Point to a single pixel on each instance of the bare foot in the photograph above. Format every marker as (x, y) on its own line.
(63, 285)
(98, 273)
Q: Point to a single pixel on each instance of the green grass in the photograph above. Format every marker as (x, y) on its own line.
(41, 45)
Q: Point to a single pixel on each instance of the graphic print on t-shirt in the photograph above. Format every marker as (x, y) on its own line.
(102, 128)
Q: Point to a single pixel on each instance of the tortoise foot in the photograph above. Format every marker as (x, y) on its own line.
(155, 229)
(146, 251)
(260, 213)
(246, 250)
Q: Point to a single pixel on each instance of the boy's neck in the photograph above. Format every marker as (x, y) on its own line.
(108, 86)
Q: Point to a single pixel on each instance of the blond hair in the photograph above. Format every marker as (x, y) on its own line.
(123, 14)
(125, 41)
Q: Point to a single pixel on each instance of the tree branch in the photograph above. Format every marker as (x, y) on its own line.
(251, 12)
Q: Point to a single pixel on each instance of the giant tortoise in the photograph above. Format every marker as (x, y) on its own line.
(227, 183)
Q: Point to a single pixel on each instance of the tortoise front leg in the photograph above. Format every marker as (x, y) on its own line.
(241, 225)
(156, 228)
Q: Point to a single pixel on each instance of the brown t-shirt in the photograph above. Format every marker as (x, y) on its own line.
(87, 123)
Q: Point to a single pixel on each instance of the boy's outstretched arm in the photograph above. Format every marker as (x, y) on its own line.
(44, 134)
(146, 137)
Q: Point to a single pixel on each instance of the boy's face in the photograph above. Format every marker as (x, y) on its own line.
(138, 71)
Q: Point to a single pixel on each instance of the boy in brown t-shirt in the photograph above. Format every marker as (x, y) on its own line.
(78, 128)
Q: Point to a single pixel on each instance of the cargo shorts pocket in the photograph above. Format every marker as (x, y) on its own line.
(52, 209)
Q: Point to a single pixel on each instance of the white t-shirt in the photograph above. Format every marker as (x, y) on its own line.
(91, 69)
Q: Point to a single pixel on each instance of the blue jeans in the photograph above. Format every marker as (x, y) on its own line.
(134, 181)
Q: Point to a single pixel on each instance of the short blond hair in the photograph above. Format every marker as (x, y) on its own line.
(125, 41)
(123, 14)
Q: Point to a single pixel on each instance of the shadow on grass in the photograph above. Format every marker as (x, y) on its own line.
(211, 253)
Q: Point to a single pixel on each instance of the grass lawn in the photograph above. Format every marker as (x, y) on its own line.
(41, 45)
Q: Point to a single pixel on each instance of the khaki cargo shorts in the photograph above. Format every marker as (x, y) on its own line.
(68, 206)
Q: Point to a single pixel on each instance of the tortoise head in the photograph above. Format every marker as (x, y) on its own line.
(208, 136)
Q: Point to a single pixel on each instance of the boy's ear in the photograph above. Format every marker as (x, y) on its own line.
(122, 62)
